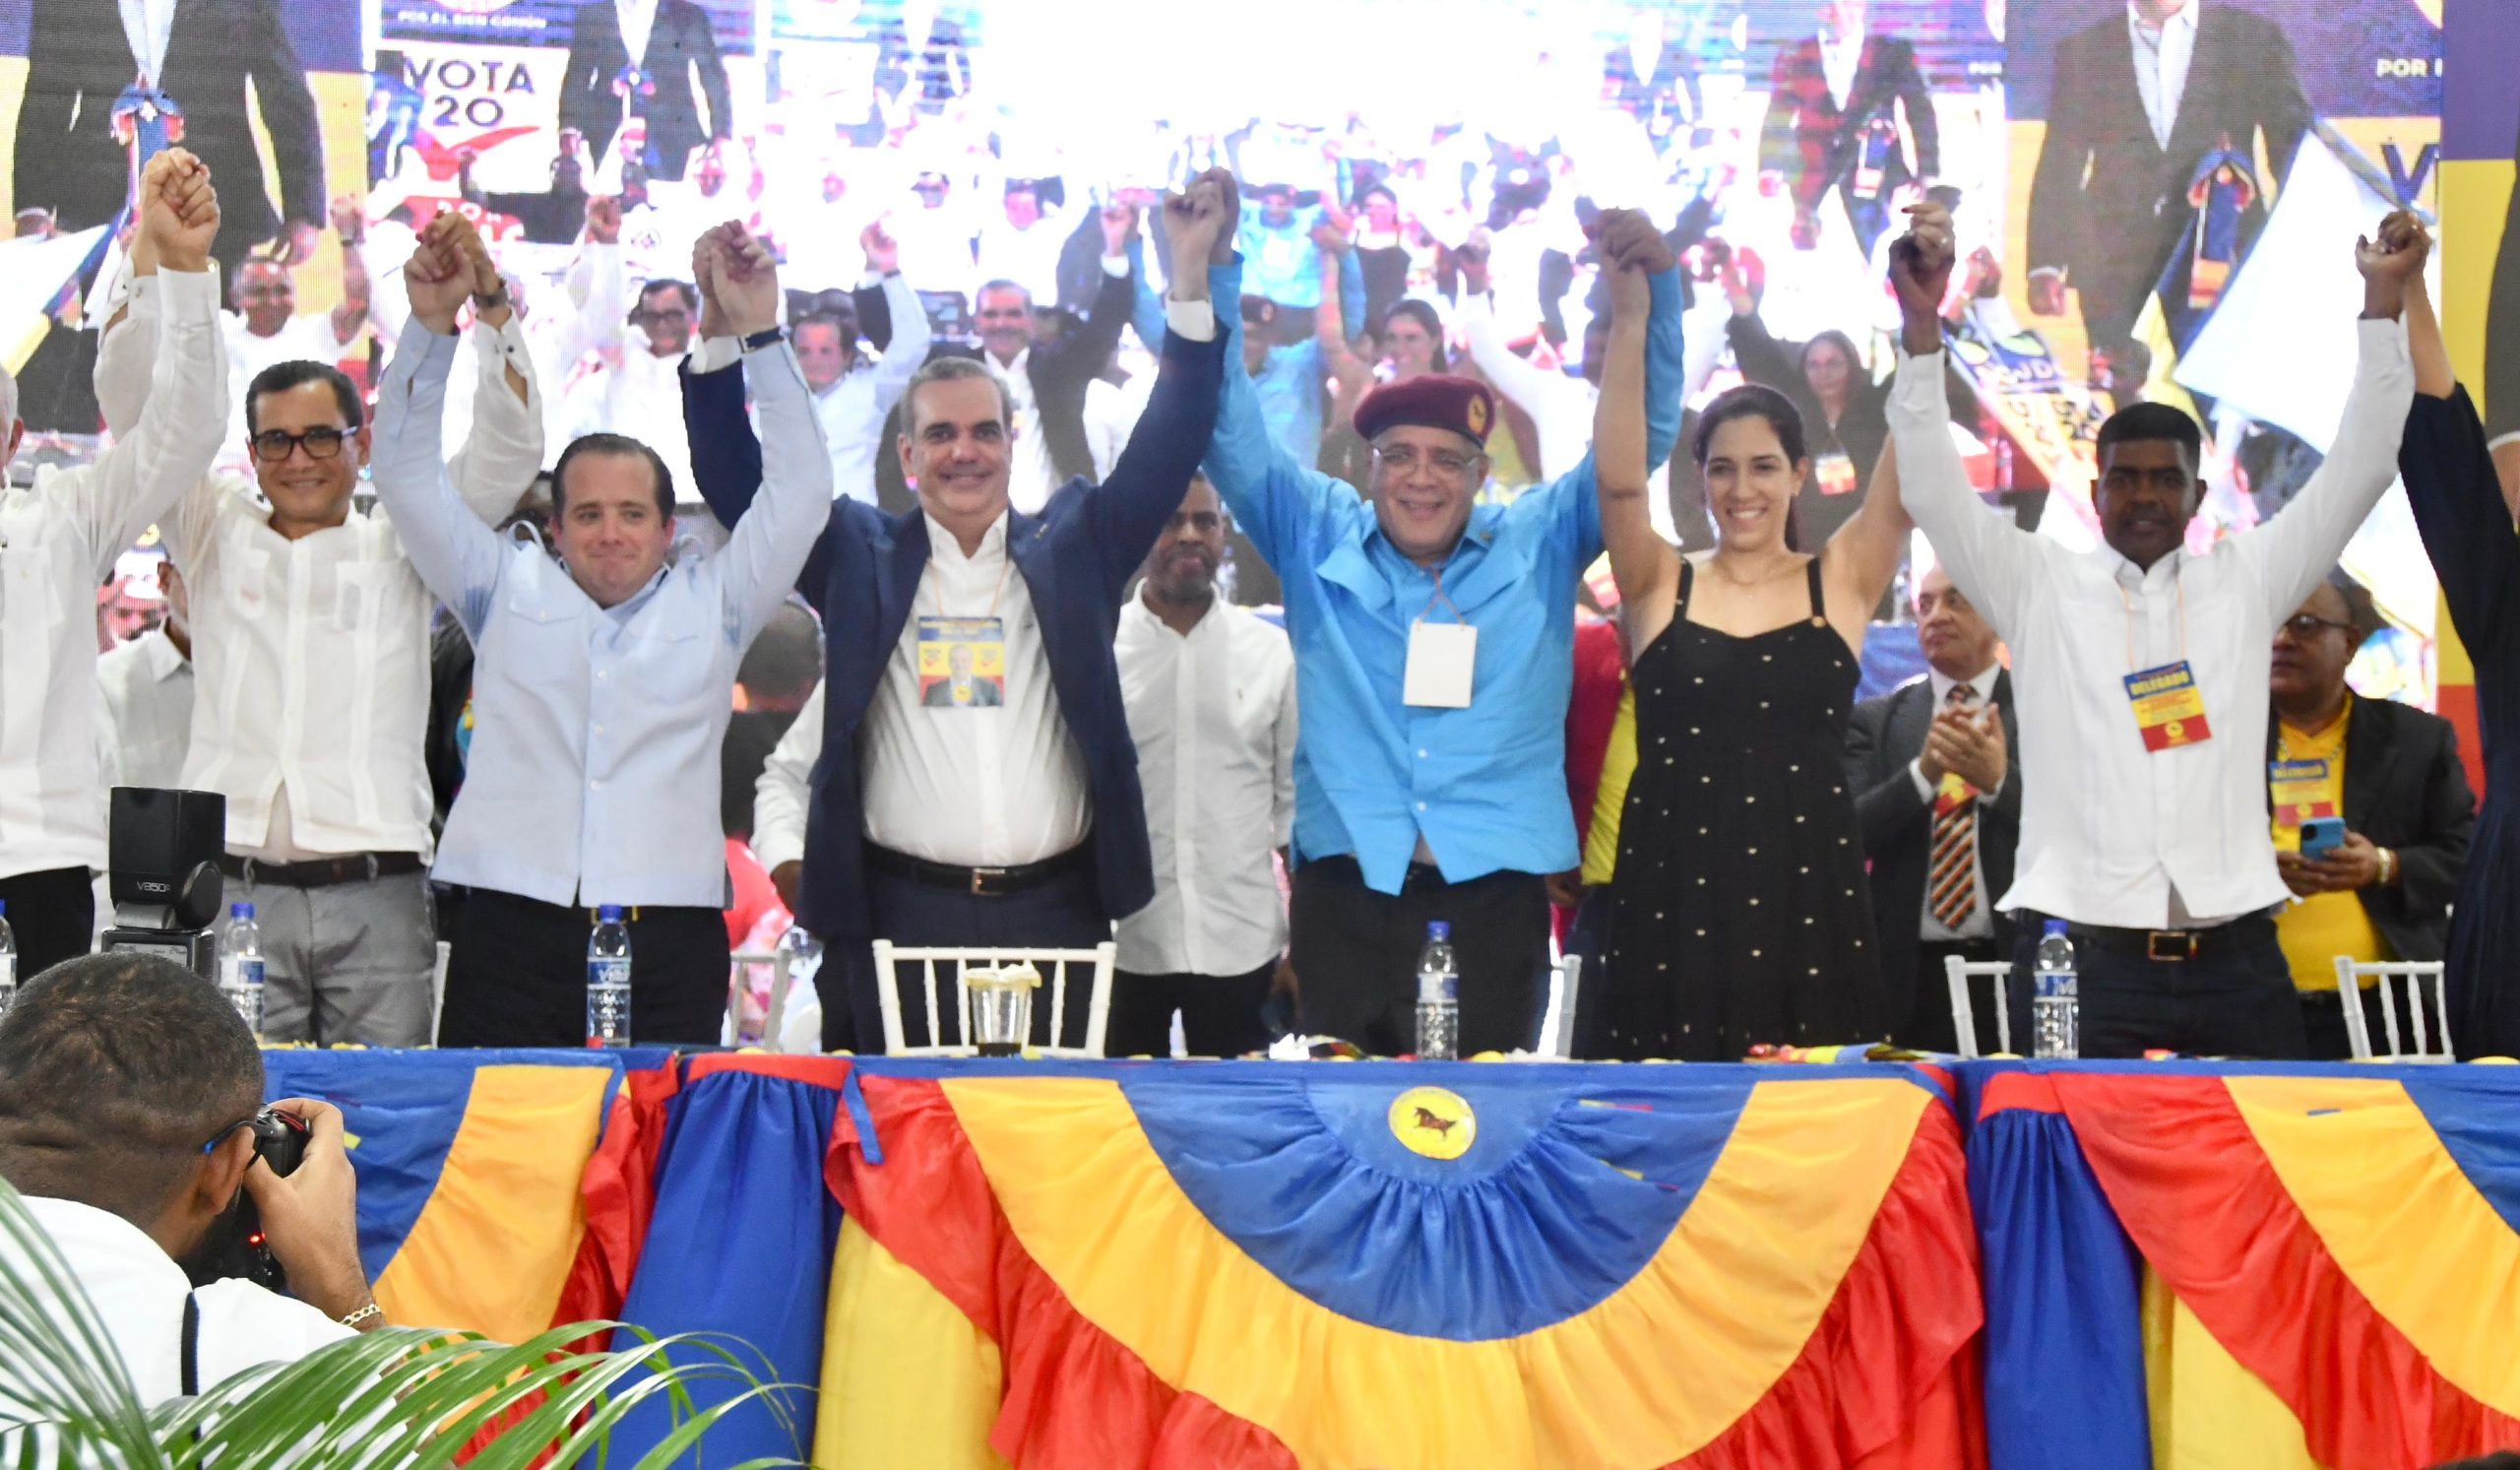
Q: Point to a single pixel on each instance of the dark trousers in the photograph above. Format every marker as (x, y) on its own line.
(52, 915)
(1355, 954)
(517, 975)
(1220, 1013)
(1930, 1026)
(2235, 999)
(1063, 912)
(1588, 938)
(2323, 1020)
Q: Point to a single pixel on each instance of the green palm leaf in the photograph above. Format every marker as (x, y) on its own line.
(399, 1396)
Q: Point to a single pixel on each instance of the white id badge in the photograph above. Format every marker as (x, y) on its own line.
(1441, 655)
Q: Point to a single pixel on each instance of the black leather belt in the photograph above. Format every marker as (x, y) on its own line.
(321, 872)
(1345, 867)
(986, 882)
(2177, 945)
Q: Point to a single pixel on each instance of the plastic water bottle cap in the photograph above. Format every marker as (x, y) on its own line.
(2054, 927)
(608, 913)
(4, 908)
(240, 910)
(1439, 929)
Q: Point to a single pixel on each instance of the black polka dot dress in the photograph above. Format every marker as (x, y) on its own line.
(1742, 911)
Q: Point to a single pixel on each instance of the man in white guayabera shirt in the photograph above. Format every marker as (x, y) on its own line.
(311, 655)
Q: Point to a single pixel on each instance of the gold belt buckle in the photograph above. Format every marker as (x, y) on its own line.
(982, 878)
(2185, 941)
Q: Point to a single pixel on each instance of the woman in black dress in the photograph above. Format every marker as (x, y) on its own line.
(2463, 511)
(1742, 915)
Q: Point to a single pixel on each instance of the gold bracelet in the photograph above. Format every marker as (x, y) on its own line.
(365, 1313)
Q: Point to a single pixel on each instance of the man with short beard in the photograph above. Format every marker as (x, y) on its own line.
(1211, 695)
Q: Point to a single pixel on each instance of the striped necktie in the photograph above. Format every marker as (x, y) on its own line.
(1951, 882)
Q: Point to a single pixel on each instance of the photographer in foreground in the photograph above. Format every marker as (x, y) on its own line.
(128, 1092)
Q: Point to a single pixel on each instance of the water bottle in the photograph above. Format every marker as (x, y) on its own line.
(240, 966)
(8, 962)
(608, 981)
(1438, 995)
(2055, 1004)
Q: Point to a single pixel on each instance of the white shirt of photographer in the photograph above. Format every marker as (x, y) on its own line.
(138, 1293)
(1213, 716)
(312, 656)
(975, 788)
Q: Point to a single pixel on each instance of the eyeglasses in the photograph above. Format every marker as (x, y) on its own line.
(2309, 624)
(272, 445)
(1443, 463)
(220, 1137)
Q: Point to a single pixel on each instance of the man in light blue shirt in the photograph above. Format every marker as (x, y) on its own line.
(605, 679)
(1434, 650)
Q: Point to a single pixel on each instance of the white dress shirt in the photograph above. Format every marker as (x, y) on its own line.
(2113, 834)
(977, 787)
(637, 19)
(1031, 475)
(313, 653)
(147, 25)
(145, 718)
(1981, 923)
(1841, 57)
(853, 408)
(1213, 716)
(1028, 257)
(640, 395)
(57, 540)
(783, 795)
(2162, 56)
(594, 771)
(137, 1292)
(1561, 407)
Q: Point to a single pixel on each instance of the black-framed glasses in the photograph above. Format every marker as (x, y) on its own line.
(1445, 463)
(220, 1137)
(272, 446)
(2309, 624)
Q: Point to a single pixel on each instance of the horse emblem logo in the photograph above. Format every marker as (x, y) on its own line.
(1433, 1123)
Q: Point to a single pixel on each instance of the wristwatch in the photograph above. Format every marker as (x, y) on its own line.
(766, 337)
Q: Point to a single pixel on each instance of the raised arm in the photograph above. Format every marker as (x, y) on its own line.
(1994, 561)
(125, 345)
(1515, 378)
(457, 555)
(349, 222)
(1860, 559)
(1146, 486)
(2291, 551)
(175, 433)
(2449, 475)
(504, 451)
(1272, 497)
(1645, 565)
(1083, 354)
(770, 542)
(911, 335)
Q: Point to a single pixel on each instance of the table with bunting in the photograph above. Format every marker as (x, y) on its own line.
(2101, 1266)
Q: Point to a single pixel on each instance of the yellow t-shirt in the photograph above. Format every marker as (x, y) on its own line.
(2307, 779)
(1609, 798)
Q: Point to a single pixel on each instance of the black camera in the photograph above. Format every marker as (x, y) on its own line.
(164, 875)
(236, 1247)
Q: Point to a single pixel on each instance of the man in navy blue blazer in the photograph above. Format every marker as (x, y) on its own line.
(1015, 817)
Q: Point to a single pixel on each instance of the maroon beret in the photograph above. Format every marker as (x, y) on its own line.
(1432, 400)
